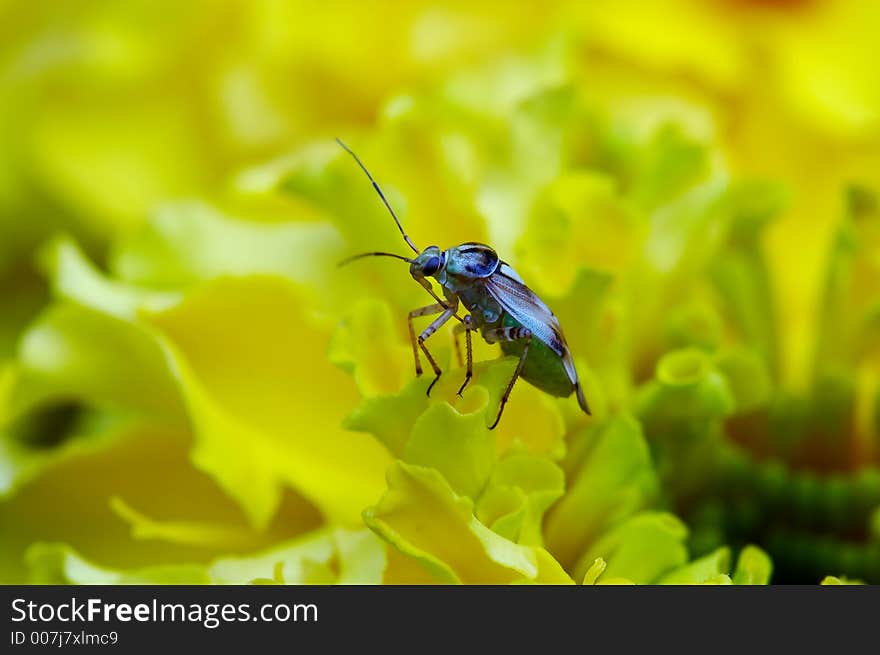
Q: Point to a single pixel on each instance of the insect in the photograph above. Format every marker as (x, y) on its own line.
(500, 306)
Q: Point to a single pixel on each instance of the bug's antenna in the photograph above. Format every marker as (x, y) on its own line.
(381, 195)
(348, 260)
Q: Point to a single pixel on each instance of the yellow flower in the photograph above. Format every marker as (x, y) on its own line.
(192, 384)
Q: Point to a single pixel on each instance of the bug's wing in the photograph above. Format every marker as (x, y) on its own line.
(506, 287)
(507, 270)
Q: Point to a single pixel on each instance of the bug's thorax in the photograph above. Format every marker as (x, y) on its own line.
(457, 265)
(471, 261)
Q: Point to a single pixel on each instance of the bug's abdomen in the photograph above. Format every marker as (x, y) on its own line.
(543, 368)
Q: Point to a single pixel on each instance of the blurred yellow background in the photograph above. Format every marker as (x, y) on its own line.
(111, 109)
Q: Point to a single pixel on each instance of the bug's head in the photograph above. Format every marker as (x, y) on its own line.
(427, 263)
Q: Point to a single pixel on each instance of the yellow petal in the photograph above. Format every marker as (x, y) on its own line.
(266, 406)
(642, 549)
(459, 446)
(596, 569)
(422, 516)
(79, 481)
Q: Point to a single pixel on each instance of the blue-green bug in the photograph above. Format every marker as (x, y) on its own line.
(501, 307)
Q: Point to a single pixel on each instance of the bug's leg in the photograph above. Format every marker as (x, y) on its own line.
(455, 332)
(435, 325)
(465, 326)
(510, 334)
(436, 308)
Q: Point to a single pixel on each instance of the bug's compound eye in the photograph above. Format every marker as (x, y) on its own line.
(431, 266)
